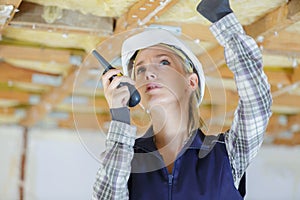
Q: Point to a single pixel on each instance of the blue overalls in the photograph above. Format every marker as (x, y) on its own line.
(201, 171)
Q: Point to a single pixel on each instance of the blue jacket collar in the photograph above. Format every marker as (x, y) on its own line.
(146, 142)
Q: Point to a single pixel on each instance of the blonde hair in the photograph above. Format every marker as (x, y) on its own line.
(194, 121)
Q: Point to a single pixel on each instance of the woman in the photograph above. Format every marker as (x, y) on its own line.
(174, 159)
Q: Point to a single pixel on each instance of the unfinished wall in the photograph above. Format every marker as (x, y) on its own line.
(10, 154)
(62, 165)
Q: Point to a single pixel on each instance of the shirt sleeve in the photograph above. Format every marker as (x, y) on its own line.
(251, 117)
(115, 165)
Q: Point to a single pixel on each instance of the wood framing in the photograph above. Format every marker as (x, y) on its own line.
(48, 101)
(275, 21)
(34, 53)
(15, 4)
(141, 13)
(31, 17)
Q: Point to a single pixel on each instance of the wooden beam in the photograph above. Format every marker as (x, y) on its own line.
(34, 53)
(279, 77)
(142, 13)
(11, 73)
(48, 101)
(191, 30)
(212, 59)
(86, 121)
(7, 111)
(277, 124)
(283, 43)
(275, 21)
(15, 4)
(296, 74)
(30, 16)
(293, 141)
(23, 164)
(275, 77)
(287, 100)
(21, 97)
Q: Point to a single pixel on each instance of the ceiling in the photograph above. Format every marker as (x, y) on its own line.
(48, 78)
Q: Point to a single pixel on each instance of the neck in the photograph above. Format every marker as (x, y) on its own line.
(170, 125)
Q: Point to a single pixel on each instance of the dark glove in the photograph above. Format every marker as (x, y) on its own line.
(214, 10)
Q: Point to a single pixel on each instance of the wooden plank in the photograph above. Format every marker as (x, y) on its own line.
(15, 4)
(287, 100)
(277, 124)
(279, 77)
(21, 97)
(30, 16)
(212, 59)
(293, 120)
(191, 30)
(86, 121)
(23, 163)
(293, 141)
(34, 53)
(11, 73)
(275, 77)
(296, 74)
(48, 101)
(7, 111)
(141, 13)
(275, 21)
(283, 43)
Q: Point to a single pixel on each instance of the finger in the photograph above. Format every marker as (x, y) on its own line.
(120, 97)
(127, 79)
(108, 75)
(111, 89)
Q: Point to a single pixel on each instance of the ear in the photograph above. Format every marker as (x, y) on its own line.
(193, 81)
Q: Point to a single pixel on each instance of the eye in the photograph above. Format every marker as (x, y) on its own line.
(164, 62)
(140, 69)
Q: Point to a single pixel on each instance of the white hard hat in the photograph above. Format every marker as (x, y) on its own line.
(153, 37)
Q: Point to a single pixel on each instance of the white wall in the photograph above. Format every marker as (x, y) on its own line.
(274, 174)
(62, 165)
(10, 152)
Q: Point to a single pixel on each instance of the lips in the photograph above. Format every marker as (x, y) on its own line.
(152, 86)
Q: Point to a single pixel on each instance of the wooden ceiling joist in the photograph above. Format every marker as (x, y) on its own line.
(287, 100)
(15, 4)
(275, 21)
(296, 74)
(35, 54)
(193, 31)
(212, 59)
(142, 13)
(283, 43)
(21, 97)
(35, 16)
(48, 101)
(11, 73)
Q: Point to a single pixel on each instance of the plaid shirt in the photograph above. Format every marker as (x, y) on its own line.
(243, 139)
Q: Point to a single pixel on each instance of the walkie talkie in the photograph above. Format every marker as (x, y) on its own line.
(134, 94)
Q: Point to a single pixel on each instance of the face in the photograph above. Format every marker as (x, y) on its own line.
(160, 77)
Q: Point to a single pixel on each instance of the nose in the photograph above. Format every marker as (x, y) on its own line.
(149, 74)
